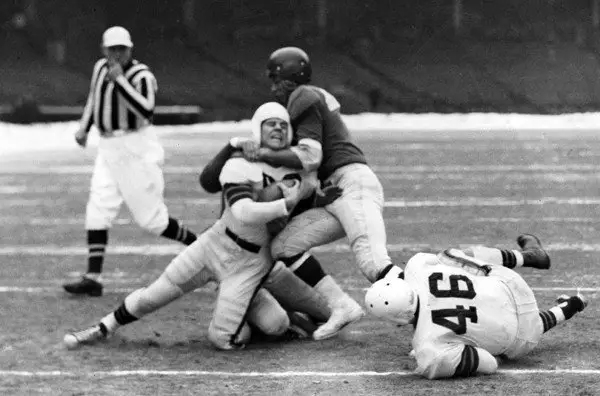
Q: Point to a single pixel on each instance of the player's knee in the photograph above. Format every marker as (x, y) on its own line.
(276, 323)
(287, 247)
(148, 299)
(153, 224)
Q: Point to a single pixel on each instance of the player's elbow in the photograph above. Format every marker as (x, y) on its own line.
(208, 183)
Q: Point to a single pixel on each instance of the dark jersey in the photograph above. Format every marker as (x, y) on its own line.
(315, 114)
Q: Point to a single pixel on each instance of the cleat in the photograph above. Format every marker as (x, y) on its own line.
(578, 301)
(88, 336)
(84, 286)
(341, 317)
(533, 254)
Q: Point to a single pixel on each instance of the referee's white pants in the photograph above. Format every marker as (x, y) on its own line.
(128, 169)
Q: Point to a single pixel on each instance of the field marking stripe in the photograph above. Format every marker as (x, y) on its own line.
(172, 249)
(120, 290)
(274, 374)
(87, 169)
(451, 202)
(45, 221)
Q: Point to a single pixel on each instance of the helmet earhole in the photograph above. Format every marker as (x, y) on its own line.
(386, 303)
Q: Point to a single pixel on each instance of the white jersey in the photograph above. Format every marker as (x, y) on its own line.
(457, 308)
(273, 174)
(258, 175)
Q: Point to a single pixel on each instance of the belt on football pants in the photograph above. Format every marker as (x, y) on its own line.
(244, 244)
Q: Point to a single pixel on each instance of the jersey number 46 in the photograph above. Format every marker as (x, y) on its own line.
(440, 316)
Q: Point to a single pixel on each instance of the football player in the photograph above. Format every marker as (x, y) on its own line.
(234, 252)
(469, 309)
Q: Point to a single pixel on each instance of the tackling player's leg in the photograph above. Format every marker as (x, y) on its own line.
(312, 228)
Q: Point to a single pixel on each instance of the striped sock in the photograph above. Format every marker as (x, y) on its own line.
(511, 258)
(178, 232)
(97, 240)
(118, 318)
(549, 319)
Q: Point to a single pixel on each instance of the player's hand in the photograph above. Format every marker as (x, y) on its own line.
(114, 71)
(81, 137)
(250, 149)
(328, 194)
(291, 194)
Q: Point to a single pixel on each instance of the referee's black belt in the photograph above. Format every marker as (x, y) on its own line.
(244, 244)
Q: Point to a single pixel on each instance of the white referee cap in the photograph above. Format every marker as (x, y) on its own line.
(116, 35)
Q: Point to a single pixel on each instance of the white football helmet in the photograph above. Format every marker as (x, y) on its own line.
(266, 111)
(392, 299)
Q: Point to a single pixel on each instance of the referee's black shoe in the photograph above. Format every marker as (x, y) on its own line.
(85, 286)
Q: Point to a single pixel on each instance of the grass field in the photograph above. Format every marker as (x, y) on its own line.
(440, 192)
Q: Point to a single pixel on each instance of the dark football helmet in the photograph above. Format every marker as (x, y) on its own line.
(289, 63)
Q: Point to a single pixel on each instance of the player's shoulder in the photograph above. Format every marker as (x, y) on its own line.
(302, 98)
(421, 261)
(239, 170)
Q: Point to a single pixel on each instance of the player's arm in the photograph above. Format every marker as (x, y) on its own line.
(458, 360)
(140, 97)
(209, 178)
(237, 178)
(247, 210)
(307, 154)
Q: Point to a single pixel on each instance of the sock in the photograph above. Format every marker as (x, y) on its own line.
(561, 312)
(97, 240)
(550, 318)
(505, 257)
(118, 318)
(305, 267)
(178, 232)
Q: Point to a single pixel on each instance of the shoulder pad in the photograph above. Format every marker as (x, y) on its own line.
(239, 170)
(301, 99)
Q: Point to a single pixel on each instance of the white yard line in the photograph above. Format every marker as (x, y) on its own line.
(271, 374)
(48, 221)
(87, 169)
(171, 249)
(208, 290)
(451, 202)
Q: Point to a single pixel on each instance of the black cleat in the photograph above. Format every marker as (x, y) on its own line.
(533, 254)
(578, 302)
(84, 286)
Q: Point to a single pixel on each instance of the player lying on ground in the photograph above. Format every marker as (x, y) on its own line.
(234, 252)
(470, 310)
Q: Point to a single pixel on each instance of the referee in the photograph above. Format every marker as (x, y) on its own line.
(128, 166)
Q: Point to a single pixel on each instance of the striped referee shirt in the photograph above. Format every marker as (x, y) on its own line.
(126, 103)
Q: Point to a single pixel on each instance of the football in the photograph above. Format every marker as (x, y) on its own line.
(272, 192)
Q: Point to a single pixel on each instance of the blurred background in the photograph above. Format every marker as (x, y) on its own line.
(413, 56)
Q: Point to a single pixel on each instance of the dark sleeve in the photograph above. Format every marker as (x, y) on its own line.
(209, 178)
(309, 125)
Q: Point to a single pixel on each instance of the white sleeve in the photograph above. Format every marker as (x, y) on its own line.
(310, 153)
(238, 170)
(454, 360)
(252, 212)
